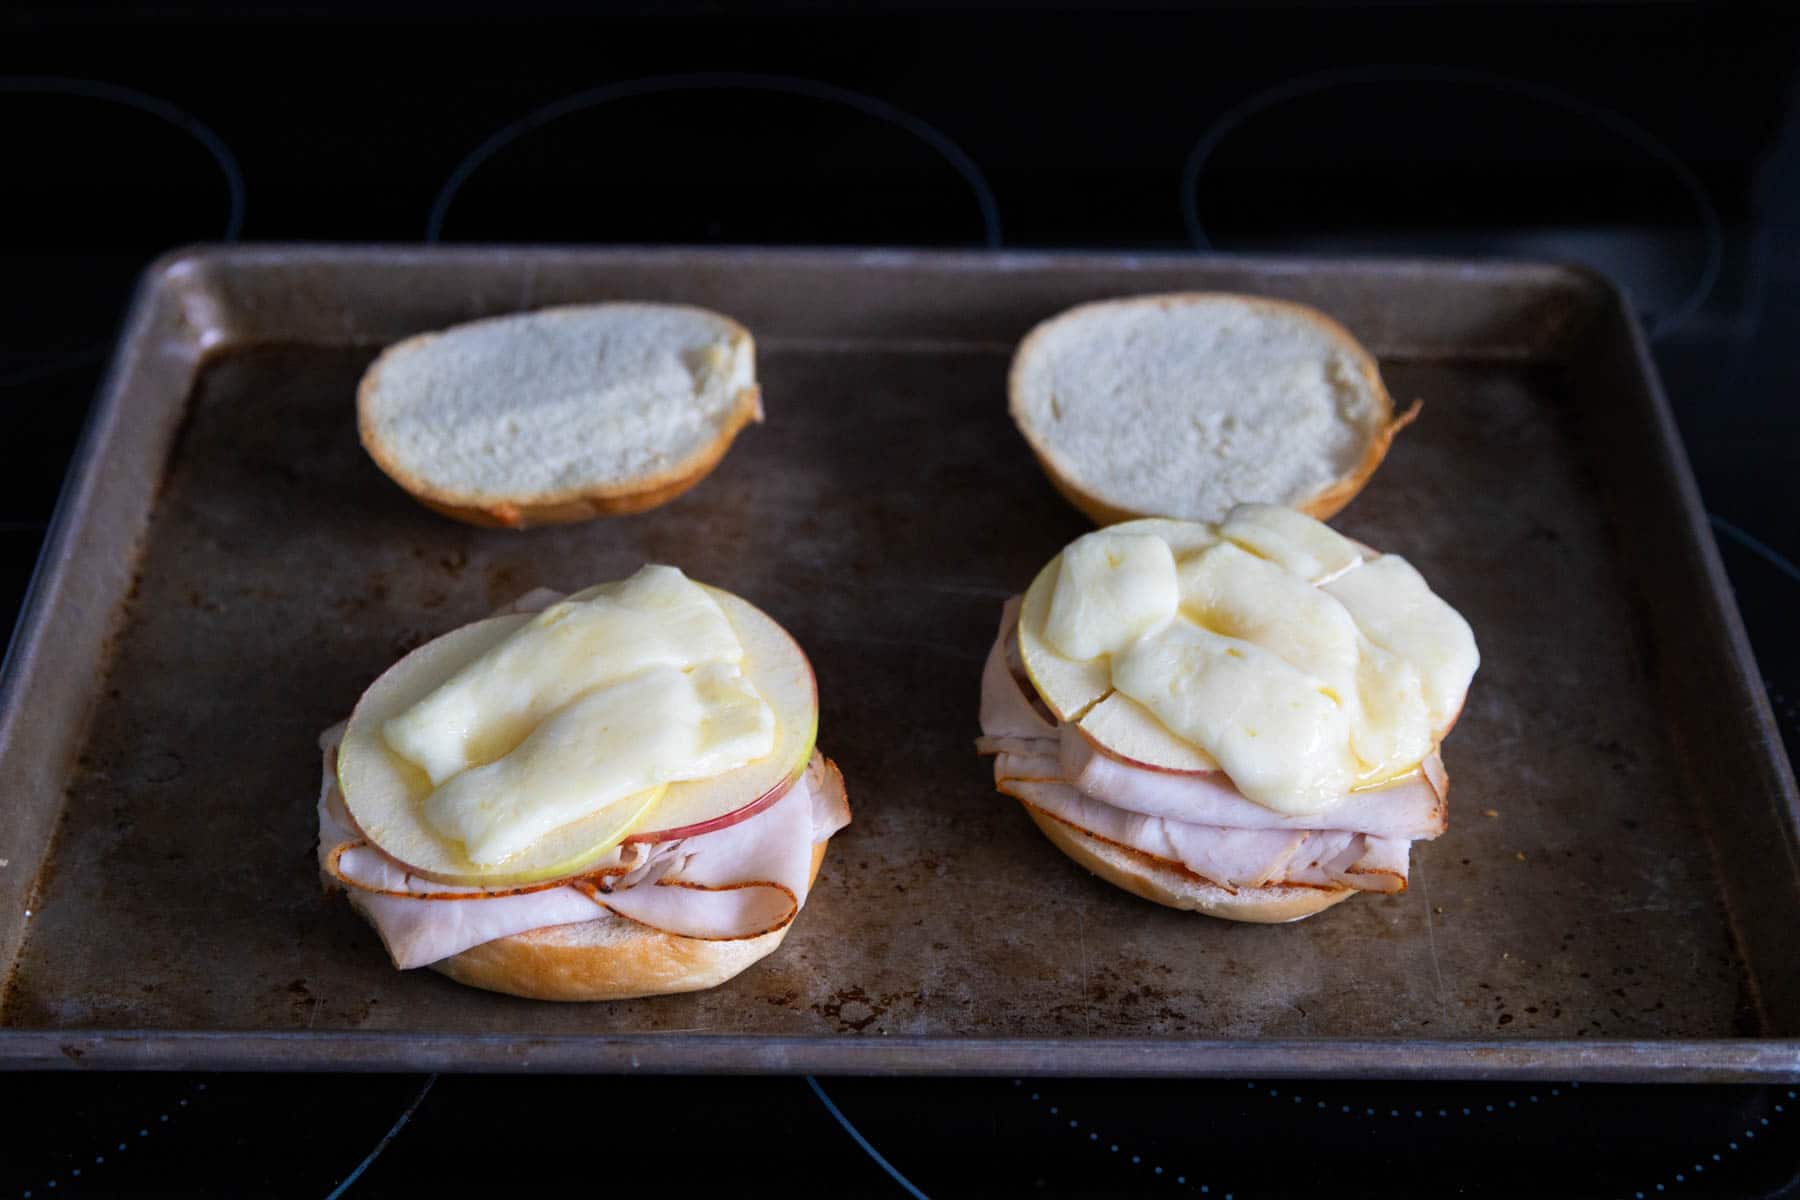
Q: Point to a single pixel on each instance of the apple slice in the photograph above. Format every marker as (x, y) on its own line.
(1068, 687)
(1122, 729)
(708, 824)
(384, 792)
(781, 674)
(1294, 541)
(1111, 589)
(1183, 537)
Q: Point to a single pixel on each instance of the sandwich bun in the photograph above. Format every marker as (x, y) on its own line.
(586, 939)
(1182, 405)
(1272, 699)
(614, 958)
(559, 415)
(1173, 887)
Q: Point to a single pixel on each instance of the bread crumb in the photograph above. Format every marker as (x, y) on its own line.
(1490, 812)
(1440, 909)
(1520, 856)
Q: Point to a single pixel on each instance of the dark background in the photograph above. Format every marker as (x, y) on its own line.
(1657, 142)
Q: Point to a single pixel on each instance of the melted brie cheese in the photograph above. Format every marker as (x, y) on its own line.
(603, 699)
(625, 740)
(1398, 611)
(1305, 547)
(657, 618)
(1112, 589)
(1304, 669)
(1270, 726)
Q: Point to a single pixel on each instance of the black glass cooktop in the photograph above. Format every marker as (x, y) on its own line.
(498, 1135)
(1657, 142)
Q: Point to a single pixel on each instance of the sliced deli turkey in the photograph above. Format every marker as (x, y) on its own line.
(1243, 719)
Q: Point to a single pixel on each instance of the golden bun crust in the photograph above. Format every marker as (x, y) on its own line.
(1321, 505)
(614, 958)
(1144, 876)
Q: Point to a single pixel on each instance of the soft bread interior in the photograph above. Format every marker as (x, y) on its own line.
(1167, 885)
(1185, 405)
(561, 414)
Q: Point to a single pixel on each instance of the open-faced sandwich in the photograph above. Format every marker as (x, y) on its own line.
(1241, 719)
(607, 795)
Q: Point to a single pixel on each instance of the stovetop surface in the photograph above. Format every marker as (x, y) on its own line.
(1657, 142)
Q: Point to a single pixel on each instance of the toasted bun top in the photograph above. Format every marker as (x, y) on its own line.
(562, 413)
(1183, 405)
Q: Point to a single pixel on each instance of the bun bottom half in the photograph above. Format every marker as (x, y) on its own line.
(614, 958)
(1154, 880)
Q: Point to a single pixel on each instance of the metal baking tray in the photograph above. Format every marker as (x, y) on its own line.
(1615, 898)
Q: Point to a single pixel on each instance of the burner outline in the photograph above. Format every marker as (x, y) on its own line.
(1113, 1147)
(1350, 1109)
(100, 1159)
(94, 89)
(169, 114)
(1617, 123)
(1756, 545)
(790, 85)
(857, 1137)
(387, 1139)
(1680, 1177)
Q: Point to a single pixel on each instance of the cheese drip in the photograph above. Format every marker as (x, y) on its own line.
(603, 699)
(1303, 669)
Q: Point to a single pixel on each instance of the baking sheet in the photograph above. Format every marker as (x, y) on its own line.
(228, 571)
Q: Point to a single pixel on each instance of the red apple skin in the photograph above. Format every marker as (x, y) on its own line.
(1101, 747)
(766, 800)
(724, 820)
(763, 801)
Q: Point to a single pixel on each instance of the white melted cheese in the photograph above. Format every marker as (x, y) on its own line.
(1310, 549)
(1398, 612)
(1304, 669)
(1270, 726)
(656, 618)
(602, 699)
(1110, 591)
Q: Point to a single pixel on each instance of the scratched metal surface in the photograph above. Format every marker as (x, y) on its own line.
(883, 513)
